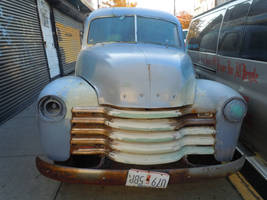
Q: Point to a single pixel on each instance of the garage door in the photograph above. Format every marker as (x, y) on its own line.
(23, 65)
(69, 40)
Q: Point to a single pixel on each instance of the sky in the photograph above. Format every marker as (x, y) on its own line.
(166, 5)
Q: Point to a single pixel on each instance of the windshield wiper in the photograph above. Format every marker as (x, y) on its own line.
(161, 44)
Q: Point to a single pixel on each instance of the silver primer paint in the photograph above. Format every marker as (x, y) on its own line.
(214, 95)
(55, 135)
(138, 75)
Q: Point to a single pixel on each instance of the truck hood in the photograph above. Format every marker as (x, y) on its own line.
(138, 75)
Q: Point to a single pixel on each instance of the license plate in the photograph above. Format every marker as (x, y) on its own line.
(142, 178)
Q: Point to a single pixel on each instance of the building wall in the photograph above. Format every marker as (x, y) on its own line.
(46, 26)
(201, 6)
(219, 2)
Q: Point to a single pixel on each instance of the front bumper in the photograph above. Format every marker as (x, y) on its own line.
(118, 177)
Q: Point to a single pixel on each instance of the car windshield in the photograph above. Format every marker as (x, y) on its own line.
(122, 29)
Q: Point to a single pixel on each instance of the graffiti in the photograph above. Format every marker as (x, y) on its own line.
(229, 69)
(238, 71)
(206, 61)
(241, 72)
(4, 32)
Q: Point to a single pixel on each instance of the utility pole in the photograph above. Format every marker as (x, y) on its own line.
(174, 8)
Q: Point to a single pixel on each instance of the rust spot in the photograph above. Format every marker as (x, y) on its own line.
(194, 110)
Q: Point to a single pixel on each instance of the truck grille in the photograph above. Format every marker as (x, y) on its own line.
(141, 137)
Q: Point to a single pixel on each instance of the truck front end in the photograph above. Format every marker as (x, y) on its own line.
(134, 111)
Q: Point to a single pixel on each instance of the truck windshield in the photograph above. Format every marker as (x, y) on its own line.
(112, 29)
(122, 29)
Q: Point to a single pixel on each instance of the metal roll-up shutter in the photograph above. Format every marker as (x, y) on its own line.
(23, 64)
(69, 40)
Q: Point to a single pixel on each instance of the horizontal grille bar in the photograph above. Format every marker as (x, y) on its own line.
(89, 151)
(89, 131)
(157, 125)
(159, 158)
(164, 147)
(88, 141)
(87, 120)
(136, 114)
(145, 125)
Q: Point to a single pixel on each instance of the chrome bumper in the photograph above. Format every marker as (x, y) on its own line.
(118, 177)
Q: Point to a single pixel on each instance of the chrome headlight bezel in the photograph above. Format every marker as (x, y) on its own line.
(233, 112)
(51, 108)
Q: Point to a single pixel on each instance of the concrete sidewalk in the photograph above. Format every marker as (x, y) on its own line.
(19, 145)
(20, 179)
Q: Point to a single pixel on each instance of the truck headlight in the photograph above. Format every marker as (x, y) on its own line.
(235, 110)
(52, 108)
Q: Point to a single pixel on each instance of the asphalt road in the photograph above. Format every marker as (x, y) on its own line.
(19, 179)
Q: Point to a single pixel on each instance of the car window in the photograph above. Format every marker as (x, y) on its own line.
(157, 31)
(193, 34)
(255, 41)
(232, 30)
(185, 33)
(112, 29)
(204, 31)
(209, 35)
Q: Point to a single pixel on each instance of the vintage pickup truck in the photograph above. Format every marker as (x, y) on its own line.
(134, 110)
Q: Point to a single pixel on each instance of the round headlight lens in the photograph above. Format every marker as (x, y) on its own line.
(235, 110)
(52, 108)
